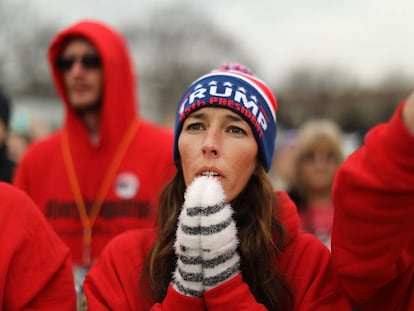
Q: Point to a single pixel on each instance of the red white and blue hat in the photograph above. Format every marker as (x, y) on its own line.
(234, 87)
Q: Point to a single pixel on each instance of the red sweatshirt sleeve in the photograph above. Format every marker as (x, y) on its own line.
(113, 282)
(176, 301)
(373, 239)
(35, 265)
(232, 295)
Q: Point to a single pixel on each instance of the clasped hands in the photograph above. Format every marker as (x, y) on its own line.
(206, 239)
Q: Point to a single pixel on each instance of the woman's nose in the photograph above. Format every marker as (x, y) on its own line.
(210, 150)
(210, 144)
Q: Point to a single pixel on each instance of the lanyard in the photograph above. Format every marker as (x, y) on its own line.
(88, 221)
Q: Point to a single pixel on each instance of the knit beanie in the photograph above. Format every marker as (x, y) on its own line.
(233, 87)
(4, 109)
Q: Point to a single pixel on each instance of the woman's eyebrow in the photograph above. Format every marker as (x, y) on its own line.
(202, 115)
(197, 115)
(233, 117)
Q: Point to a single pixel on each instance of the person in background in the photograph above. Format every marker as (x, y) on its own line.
(24, 130)
(17, 144)
(318, 154)
(282, 170)
(35, 265)
(100, 174)
(224, 240)
(373, 235)
(7, 165)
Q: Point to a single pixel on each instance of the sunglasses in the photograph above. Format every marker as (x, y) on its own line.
(87, 61)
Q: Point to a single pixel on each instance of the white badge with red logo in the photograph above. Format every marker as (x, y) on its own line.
(126, 185)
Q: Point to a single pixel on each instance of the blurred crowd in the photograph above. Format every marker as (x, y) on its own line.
(209, 212)
(304, 164)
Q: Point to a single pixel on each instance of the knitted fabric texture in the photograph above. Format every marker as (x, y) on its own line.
(188, 275)
(240, 92)
(206, 239)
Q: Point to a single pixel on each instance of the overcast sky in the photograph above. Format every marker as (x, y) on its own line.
(367, 38)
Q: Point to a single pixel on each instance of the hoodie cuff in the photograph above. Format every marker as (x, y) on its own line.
(177, 301)
(397, 137)
(234, 294)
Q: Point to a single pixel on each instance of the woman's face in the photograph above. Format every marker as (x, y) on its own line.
(219, 143)
(317, 167)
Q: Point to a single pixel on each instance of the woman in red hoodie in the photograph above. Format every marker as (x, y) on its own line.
(224, 240)
(35, 265)
(373, 236)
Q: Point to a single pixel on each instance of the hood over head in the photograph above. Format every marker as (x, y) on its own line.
(119, 105)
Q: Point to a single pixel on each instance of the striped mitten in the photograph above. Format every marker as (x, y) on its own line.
(219, 239)
(188, 275)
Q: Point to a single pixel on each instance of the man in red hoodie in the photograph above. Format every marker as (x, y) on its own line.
(35, 265)
(100, 174)
(373, 235)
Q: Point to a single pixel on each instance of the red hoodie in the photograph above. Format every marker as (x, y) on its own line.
(35, 265)
(126, 181)
(373, 235)
(112, 283)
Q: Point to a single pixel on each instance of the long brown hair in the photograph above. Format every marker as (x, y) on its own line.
(261, 239)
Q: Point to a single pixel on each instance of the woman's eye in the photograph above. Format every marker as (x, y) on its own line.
(195, 127)
(236, 130)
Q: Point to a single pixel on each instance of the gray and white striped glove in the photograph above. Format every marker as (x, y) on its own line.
(188, 275)
(218, 235)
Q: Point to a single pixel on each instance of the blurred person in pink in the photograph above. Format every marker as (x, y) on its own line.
(35, 265)
(318, 154)
(373, 234)
(100, 174)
